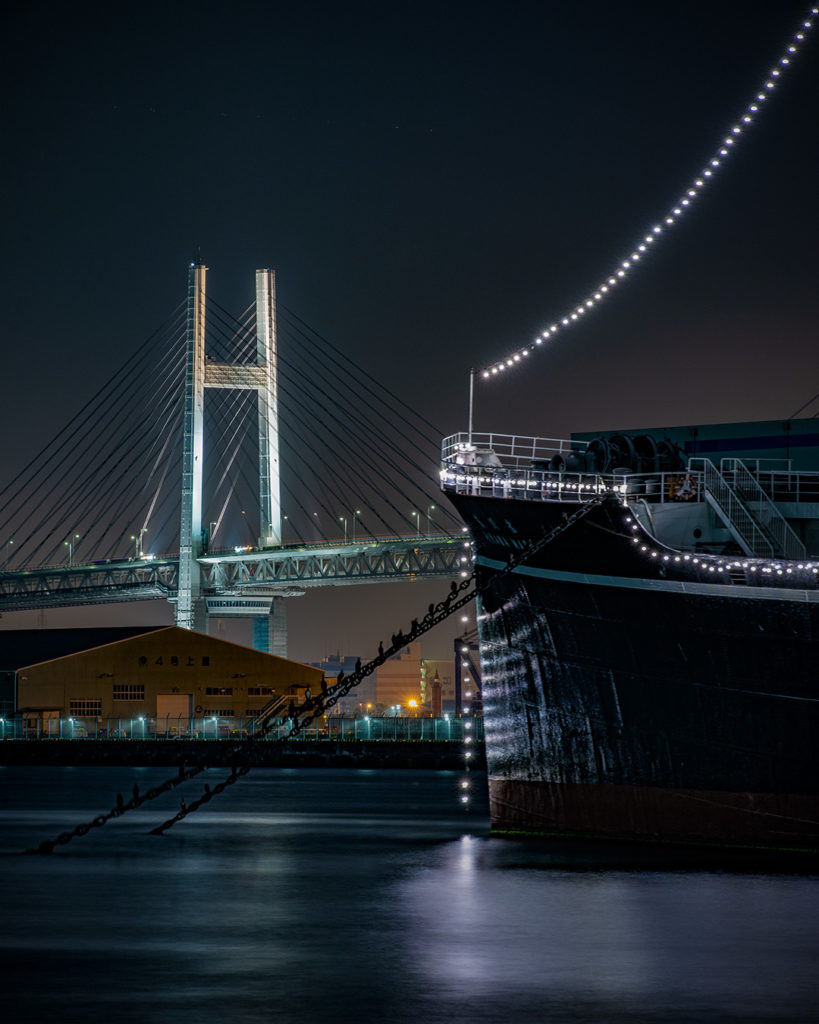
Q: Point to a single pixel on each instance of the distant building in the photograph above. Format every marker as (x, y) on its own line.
(362, 698)
(444, 672)
(398, 681)
(406, 677)
(410, 677)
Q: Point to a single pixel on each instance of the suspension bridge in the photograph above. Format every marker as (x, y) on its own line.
(230, 464)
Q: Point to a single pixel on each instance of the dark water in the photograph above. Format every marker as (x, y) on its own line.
(308, 895)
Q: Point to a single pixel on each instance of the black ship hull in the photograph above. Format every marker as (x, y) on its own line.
(631, 691)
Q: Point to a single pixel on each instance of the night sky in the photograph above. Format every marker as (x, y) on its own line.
(434, 185)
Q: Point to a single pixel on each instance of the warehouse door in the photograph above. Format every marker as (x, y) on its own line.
(173, 713)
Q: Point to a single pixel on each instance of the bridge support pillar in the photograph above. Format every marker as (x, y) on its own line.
(268, 414)
(270, 631)
(190, 607)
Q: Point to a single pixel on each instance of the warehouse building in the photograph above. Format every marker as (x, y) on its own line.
(168, 678)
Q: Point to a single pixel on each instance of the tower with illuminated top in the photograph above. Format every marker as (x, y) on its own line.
(199, 375)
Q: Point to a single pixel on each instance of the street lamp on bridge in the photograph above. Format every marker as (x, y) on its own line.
(71, 543)
(343, 519)
(429, 509)
(417, 521)
(137, 539)
(356, 512)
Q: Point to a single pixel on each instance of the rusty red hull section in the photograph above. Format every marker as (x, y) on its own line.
(715, 817)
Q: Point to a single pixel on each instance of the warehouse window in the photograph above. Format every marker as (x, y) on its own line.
(259, 691)
(85, 707)
(129, 691)
(219, 691)
(218, 712)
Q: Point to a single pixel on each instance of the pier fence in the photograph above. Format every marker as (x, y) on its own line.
(210, 727)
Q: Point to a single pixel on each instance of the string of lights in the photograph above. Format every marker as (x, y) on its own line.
(465, 784)
(648, 242)
(716, 563)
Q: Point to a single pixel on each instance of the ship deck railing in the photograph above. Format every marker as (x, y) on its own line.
(781, 485)
(510, 450)
(655, 488)
(546, 485)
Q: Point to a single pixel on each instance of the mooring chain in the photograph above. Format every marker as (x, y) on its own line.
(300, 716)
(209, 793)
(137, 799)
(314, 707)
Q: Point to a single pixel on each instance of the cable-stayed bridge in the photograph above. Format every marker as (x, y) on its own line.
(230, 463)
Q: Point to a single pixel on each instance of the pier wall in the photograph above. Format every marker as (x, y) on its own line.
(323, 753)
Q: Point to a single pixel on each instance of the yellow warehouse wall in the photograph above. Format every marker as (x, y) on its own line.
(164, 661)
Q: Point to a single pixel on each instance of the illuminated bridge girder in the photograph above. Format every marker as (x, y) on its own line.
(88, 584)
(339, 566)
(281, 571)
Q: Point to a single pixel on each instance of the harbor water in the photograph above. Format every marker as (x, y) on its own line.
(313, 895)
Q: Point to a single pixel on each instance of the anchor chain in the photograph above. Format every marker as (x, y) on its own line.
(314, 707)
(302, 715)
(48, 845)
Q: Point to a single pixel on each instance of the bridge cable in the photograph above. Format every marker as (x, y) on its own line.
(334, 488)
(89, 486)
(332, 379)
(345, 368)
(31, 466)
(436, 431)
(83, 424)
(120, 478)
(329, 482)
(96, 430)
(328, 486)
(379, 452)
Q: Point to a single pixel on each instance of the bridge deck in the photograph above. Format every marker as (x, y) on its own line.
(266, 570)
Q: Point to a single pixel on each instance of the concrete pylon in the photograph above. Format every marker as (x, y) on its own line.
(270, 631)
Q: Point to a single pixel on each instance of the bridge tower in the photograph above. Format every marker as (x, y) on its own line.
(200, 375)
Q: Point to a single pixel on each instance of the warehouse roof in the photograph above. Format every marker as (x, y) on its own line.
(19, 647)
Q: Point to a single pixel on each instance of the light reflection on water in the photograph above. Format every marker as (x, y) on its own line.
(301, 896)
(616, 945)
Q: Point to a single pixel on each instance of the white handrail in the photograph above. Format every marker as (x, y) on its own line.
(763, 510)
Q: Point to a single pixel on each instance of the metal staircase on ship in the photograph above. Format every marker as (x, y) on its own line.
(746, 510)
